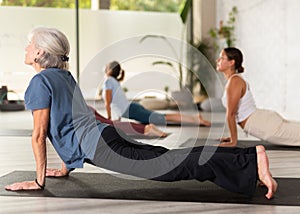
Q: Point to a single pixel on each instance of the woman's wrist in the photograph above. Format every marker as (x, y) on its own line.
(41, 186)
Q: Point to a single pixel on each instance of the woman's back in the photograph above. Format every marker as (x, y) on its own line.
(119, 102)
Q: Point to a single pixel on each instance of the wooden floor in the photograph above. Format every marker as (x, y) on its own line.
(16, 154)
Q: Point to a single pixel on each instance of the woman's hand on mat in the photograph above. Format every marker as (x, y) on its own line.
(57, 172)
(227, 142)
(25, 185)
(225, 139)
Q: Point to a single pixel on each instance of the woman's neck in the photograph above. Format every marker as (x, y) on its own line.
(39, 69)
(229, 73)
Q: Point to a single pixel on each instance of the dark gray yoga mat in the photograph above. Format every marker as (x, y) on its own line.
(105, 186)
(215, 125)
(142, 136)
(192, 142)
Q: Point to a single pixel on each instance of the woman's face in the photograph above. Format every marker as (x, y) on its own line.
(107, 71)
(223, 63)
(31, 52)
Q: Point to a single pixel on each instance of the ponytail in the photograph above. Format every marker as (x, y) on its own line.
(121, 76)
(240, 69)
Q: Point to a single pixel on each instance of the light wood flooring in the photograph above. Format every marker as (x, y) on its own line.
(16, 154)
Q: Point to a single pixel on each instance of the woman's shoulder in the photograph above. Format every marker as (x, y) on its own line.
(236, 78)
(110, 83)
(111, 80)
(53, 72)
(235, 81)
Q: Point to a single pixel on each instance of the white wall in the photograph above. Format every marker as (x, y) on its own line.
(99, 30)
(116, 35)
(268, 33)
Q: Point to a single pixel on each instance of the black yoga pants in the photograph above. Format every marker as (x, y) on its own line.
(234, 169)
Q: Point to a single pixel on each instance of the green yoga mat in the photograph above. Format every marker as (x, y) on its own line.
(192, 142)
(106, 186)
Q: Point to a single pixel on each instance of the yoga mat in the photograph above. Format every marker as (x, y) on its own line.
(141, 136)
(192, 142)
(106, 186)
(189, 124)
(16, 132)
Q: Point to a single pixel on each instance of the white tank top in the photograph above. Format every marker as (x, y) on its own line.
(246, 104)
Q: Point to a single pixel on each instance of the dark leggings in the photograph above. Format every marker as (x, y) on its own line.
(137, 112)
(234, 169)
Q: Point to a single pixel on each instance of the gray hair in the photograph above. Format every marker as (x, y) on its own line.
(55, 45)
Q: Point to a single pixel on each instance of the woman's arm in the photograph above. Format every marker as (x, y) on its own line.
(108, 99)
(234, 90)
(38, 142)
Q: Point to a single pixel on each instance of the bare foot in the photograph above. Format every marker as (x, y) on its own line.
(203, 121)
(264, 174)
(152, 130)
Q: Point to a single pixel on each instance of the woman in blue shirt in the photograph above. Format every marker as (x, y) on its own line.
(61, 114)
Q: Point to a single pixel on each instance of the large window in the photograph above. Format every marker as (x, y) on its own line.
(146, 5)
(98, 31)
(136, 5)
(46, 3)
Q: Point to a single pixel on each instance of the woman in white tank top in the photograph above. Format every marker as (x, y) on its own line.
(240, 107)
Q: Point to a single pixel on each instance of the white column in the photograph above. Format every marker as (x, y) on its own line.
(94, 4)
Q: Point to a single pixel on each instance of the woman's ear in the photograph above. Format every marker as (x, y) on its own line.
(108, 72)
(40, 53)
(232, 62)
